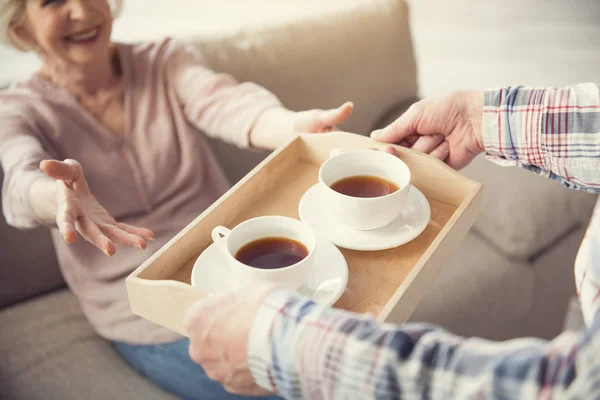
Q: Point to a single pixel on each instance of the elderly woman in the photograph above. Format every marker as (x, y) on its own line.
(127, 120)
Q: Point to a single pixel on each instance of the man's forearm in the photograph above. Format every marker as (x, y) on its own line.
(42, 197)
(302, 350)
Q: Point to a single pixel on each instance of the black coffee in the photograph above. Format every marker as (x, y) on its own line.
(271, 253)
(364, 186)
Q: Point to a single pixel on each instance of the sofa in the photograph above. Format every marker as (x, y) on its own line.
(512, 274)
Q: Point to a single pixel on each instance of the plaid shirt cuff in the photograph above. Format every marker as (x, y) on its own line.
(513, 120)
(280, 313)
(552, 132)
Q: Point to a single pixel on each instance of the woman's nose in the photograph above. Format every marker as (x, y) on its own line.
(79, 9)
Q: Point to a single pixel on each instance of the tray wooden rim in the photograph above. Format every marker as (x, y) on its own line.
(466, 208)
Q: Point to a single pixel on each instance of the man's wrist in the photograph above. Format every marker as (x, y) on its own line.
(475, 103)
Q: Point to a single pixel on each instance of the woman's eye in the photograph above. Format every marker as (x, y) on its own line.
(49, 2)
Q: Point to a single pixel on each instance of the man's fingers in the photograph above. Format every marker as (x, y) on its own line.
(250, 389)
(401, 128)
(240, 381)
(196, 318)
(442, 151)
(426, 144)
(205, 354)
(198, 322)
(216, 371)
(391, 150)
(412, 139)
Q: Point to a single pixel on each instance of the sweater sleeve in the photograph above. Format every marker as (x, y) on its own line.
(20, 155)
(216, 103)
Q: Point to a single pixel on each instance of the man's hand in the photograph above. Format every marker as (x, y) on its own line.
(219, 328)
(448, 128)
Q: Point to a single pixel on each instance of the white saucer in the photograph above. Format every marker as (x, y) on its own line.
(410, 224)
(325, 284)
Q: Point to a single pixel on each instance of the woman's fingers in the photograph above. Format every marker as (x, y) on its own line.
(103, 236)
(326, 119)
(65, 221)
(90, 231)
(68, 170)
(66, 213)
(136, 230)
(56, 169)
(119, 236)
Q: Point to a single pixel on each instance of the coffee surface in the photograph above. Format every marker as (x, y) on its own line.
(364, 186)
(271, 253)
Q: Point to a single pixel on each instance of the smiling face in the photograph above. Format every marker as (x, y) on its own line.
(74, 32)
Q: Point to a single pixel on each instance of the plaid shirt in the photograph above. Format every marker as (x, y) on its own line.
(302, 350)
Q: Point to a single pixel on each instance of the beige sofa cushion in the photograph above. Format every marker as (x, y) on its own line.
(479, 292)
(471, 44)
(554, 286)
(28, 265)
(523, 213)
(49, 351)
(357, 50)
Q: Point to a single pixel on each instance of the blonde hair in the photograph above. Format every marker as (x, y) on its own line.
(12, 13)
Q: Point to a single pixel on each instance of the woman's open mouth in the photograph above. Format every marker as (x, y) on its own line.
(85, 37)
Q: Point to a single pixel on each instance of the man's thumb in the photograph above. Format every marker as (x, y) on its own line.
(398, 130)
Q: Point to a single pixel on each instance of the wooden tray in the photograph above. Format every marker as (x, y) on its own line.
(388, 284)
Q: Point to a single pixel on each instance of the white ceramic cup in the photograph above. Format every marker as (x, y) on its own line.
(358, 212)
(230, 241)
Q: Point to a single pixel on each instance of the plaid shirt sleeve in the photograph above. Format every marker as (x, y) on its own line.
(305, 351)
(552, 132)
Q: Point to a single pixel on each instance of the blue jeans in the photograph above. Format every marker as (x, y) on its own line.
(170, 367)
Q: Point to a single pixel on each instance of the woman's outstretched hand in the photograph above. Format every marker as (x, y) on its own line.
(78, 211)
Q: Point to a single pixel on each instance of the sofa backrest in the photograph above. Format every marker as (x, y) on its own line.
(311, 54)
(357, 50)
